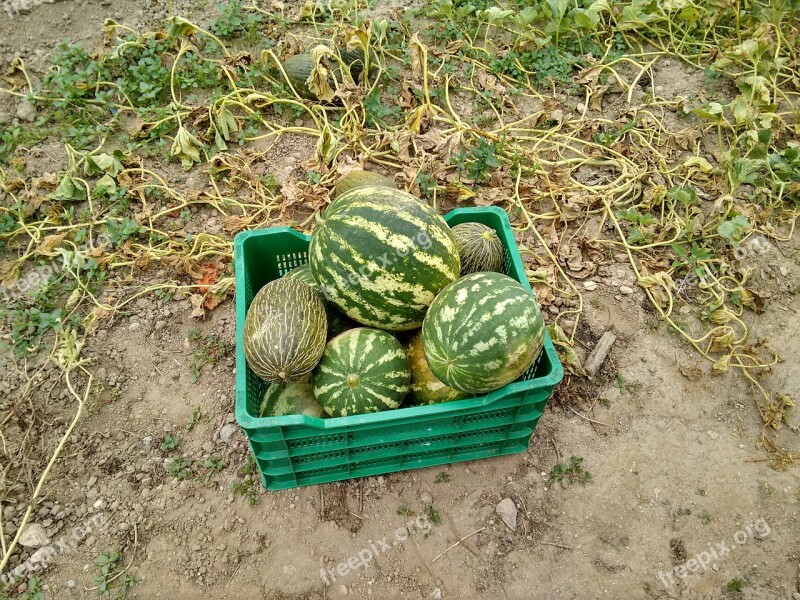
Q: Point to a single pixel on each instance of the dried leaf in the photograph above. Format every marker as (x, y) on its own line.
(565, 350)
(721, 366)
(722, 341)
(692, 372)
(319, 79)
(418, 52)
(186, 147)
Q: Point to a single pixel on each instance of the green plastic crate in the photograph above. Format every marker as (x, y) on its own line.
(297, 450)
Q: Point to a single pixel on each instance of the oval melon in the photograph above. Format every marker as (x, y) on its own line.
(284, 331)
(479, 248)
(337, 320)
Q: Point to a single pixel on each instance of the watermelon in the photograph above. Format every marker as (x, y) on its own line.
(479, 248)
(337, 321)
(295, 398)
(482, 332)
(426, 388)
(284, 331)
(363, 370)
(298, 69)
(381, 255)
(360, 178)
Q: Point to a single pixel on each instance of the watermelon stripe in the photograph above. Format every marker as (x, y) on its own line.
(482, 332)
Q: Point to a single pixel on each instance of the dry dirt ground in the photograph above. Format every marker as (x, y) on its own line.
(676, 478)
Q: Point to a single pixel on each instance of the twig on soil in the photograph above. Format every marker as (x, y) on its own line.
(588, 419)
(599, 354)
(556, 545)
(422, 558)
(456, 544)
(458, 533)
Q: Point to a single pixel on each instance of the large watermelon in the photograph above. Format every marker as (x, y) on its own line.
(337, 320)
(284, 331)
(479, 248)
(426, 388)
(381, 255)
(482, 332)
(362, 371)
(295, 398)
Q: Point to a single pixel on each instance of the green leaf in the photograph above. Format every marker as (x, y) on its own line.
(100, 164)
(105, 186)
(69, 189)
(734, 229)
(178, 26)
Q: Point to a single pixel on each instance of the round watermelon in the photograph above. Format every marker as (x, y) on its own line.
(479, 248)
(295, 398)
(363, 370)
(482, 332)
(337, 321)
(284, 331)
(381, 255)
(426, 388)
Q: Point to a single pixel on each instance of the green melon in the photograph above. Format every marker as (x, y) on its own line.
(295, 398)
(284, 331)
(381, 255)
(360, 178)
(479, 248)
(337, 321)
(482, 332)
(362, 371)
(298, 69)
(426, 388)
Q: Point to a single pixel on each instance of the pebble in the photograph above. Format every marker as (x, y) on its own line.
(71, 583)
(9, 512)
(134, 326)
(91, 482)
(626, 290)
(425, 498)
(507, 511)
(590, 285)
(226, 431)
(34, 536)
(713, 435)
(26, 111)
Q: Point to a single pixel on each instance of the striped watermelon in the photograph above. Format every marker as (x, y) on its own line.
(284, 331)
(360, 178)
(426, 388)
(482, 332)
(337, 321)
(362, 371)
(295, 398)
(479, 248)
(381, 255)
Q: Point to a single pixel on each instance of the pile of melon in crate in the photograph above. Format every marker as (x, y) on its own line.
(393, 309)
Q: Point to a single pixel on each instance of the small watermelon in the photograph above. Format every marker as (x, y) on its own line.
(337, 320)
(482, 332)
(362, 371)
(295, 398)
(381, 255)
(284, 331)
(479, 248)
(426, 388)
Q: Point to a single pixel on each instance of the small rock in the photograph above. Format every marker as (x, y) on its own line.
(626, 290)
(507, 511)
(226, 431)
(160, 325)
(713, 435)
(437, 594)
(71, 583)
(784, 271)
(343, 590)
(26, 111)
(590, 285)
(621, 257)
(9, 512)
(34, 536)
(91, 482)
(425, 498)
(796, 596)
(134, 326)
(580, 107)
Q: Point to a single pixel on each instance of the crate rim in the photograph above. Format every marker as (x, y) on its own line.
(248, 422)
